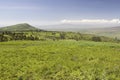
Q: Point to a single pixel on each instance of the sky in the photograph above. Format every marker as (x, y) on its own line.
(49, 12)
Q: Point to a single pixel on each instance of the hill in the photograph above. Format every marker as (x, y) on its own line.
(25, 32)
(109, 32)
(66, 27)
(19, 27)
(112, 32)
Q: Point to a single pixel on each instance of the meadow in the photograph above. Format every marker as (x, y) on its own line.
(59, 60)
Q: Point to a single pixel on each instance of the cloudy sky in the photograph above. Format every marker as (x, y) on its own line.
(47, 12)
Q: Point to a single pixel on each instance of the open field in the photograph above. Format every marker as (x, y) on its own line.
(59, 60)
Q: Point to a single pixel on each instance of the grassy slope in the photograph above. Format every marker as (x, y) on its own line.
(65, 60)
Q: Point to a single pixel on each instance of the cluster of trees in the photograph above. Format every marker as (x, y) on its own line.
(7, 36)
(49, 35)
(97, 39)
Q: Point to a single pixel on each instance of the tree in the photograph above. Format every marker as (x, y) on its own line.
(116, 39)
(97, 39)
(62, 35)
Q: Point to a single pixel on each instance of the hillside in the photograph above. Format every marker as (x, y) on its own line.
(109, 32)
(100, 30)
(19, 27)
(19, 32)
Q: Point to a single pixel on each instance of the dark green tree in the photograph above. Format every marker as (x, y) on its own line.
(97, 39)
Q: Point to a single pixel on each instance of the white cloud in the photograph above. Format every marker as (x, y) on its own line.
(91, 21)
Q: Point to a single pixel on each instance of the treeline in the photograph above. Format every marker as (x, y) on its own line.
(51, 35)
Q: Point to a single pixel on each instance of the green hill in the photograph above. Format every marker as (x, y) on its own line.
(19, 27)
(25, 32)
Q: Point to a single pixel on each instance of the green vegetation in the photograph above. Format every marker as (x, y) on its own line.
(27, 32)
(52, 35)
(28, 53)
(59, 60)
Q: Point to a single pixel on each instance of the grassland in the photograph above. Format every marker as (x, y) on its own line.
(59, 60)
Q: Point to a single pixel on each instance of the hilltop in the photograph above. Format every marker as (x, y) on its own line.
(19, 27)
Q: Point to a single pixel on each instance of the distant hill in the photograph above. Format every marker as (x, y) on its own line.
(75, 27)
(66, 27)
(113, 32)
(19, 27)
(106, 30)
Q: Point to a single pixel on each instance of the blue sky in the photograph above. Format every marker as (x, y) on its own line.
(41, 12)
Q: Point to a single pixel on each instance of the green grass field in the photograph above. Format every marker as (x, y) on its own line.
(59, 60)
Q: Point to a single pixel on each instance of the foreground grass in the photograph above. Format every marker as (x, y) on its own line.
(59, 60)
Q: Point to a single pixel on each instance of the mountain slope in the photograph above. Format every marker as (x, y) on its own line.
(19, 27)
